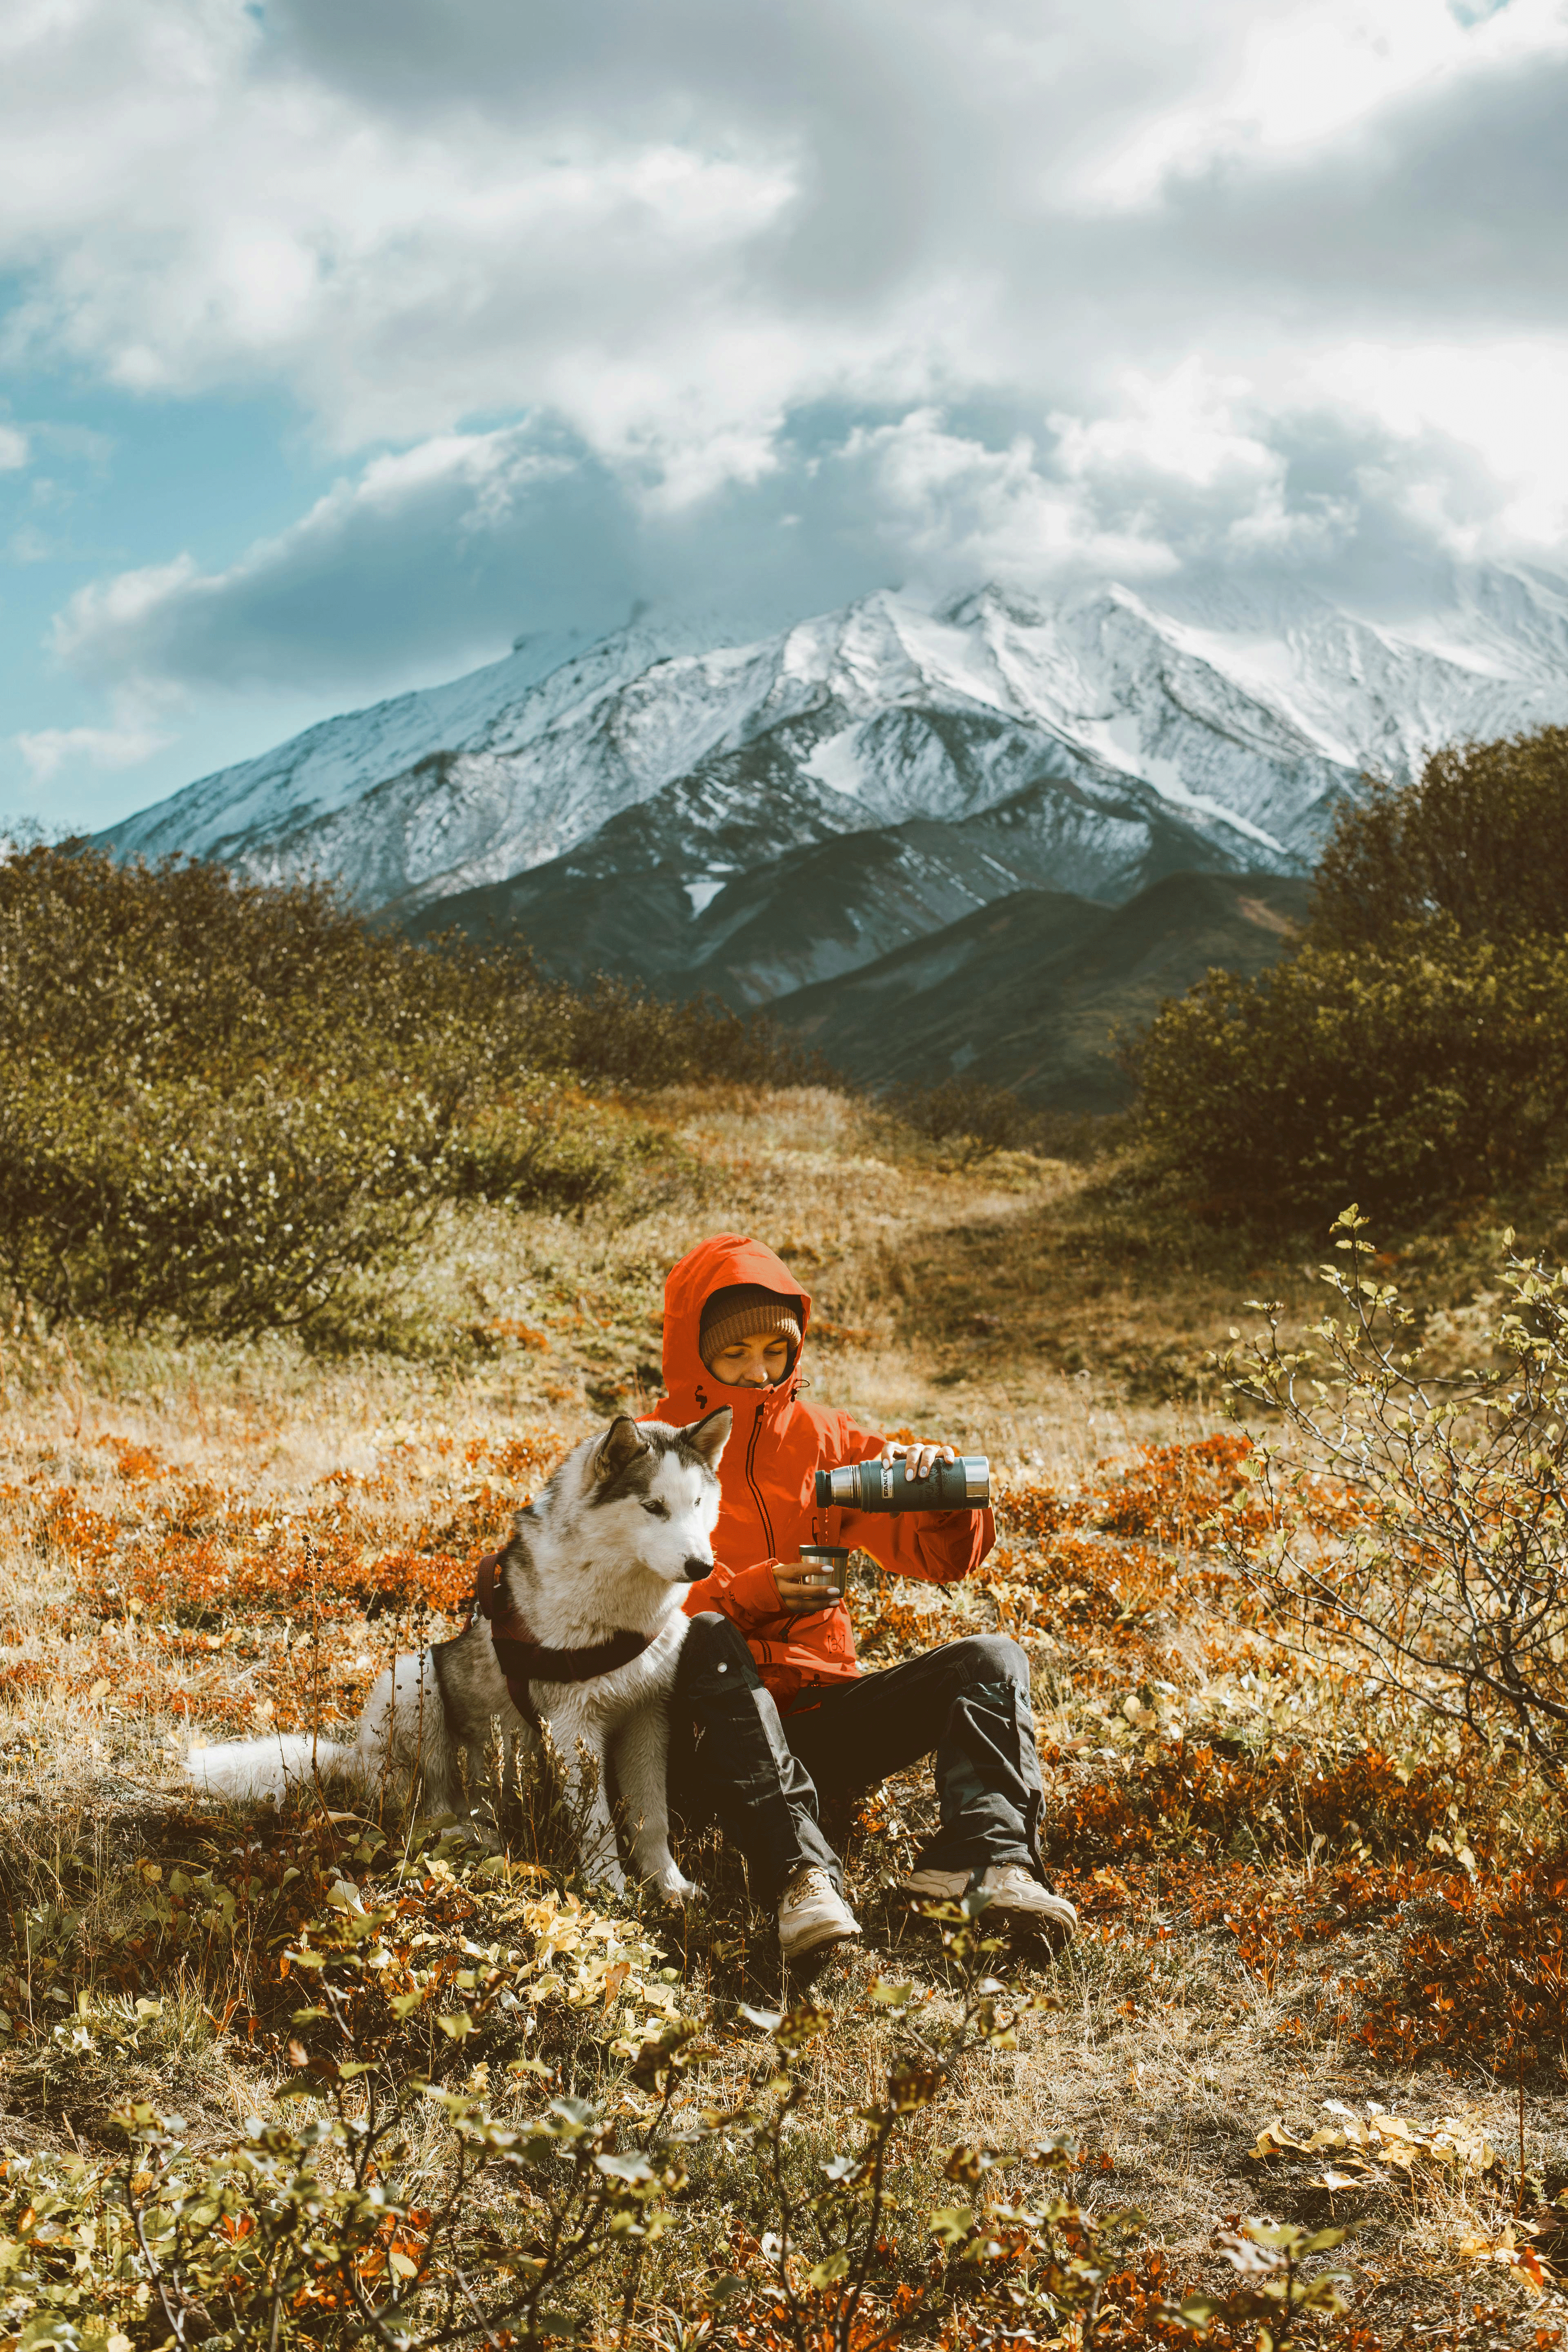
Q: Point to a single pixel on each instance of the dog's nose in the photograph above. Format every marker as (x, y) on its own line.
(694, 1570)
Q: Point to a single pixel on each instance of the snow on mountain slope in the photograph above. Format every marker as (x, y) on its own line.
(1240, 710)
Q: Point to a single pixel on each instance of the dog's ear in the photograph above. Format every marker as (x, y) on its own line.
(620, 1445)
(710, 1436)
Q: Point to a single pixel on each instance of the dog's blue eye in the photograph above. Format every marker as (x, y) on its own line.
(655, 1510)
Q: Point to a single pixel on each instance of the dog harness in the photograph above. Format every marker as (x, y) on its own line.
(522, 1660)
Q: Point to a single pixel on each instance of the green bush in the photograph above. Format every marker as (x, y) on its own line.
(231, 1210)
(1412, 1050)
(616, 1032)
(228, 1103)
(975, 1121)
(1480, 841)
(1411, 1078)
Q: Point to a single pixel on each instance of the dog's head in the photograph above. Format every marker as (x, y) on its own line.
(662, 1484)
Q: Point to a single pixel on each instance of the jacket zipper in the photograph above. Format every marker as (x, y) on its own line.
(756, 1490)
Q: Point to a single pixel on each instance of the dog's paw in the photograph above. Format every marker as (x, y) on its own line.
(674, 1887)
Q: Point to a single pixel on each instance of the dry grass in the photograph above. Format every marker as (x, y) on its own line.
(195, 1542)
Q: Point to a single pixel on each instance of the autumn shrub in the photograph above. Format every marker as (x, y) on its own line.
(411, 2193)
(613, 1032)
(235, 1106)
(1480, 839)
(1409, 1076)
(1452, 1576)
(1412, 1049)
(975, 1120)
(1484, 1968)
(1200, 1800)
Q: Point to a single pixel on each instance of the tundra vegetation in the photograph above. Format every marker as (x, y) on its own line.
(320, 1250)
(1411, 1051)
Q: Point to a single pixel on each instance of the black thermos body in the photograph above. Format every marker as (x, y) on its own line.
(961, 1485)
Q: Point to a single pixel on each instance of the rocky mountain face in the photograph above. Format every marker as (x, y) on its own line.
(763, 817)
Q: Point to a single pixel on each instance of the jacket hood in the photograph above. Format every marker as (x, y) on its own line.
(689, 1387)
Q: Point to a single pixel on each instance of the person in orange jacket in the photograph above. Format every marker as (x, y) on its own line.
(771, 1707)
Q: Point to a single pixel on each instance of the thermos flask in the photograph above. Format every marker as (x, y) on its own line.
(961, 1485)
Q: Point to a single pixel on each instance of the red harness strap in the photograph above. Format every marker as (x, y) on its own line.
(522, 1660)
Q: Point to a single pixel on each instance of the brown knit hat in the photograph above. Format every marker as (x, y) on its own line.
(741, 1310)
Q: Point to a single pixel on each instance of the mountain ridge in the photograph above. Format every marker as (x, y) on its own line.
(1238, 717)
(946, 819)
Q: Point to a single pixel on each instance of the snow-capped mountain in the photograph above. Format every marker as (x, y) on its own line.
(1207, 723)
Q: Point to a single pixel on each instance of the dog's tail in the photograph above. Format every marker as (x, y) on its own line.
(269, 1767)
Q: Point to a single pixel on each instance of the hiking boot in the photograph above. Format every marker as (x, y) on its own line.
(812, 1912)
(1016, 1893)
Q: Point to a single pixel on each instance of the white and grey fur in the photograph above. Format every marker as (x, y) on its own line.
(623, 1526)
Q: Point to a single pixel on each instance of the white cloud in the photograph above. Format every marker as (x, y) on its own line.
(439, 554)
(956, 510)
(49, 750)
(14, 450)
(1187, 425)
(240, 218)
(1298, 77)
(588, 300)
(670, 228)
(1449, 389)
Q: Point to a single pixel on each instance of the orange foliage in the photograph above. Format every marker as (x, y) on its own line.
(189, 1599)
(1489, 1973)
(136, 1464)
(1193, 1798)
(1172, 1492)
(1285, 1843)
(518, 1458)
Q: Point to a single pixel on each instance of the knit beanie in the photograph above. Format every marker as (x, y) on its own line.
(741, 1310)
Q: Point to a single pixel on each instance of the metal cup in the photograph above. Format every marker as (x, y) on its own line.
(831, 1562)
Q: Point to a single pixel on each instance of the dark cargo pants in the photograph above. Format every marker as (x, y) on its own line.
(735, 1759)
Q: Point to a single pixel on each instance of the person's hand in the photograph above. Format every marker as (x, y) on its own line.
(803, 1585)
(918, 1459)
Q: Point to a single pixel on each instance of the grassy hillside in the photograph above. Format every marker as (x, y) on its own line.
(1279, 1931)
(1030, 992)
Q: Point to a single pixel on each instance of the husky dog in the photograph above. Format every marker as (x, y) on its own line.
(591, 1580)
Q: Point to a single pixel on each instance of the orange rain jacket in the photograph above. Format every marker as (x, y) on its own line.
(767, 1477)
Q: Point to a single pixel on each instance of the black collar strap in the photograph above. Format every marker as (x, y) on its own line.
(522, 1660)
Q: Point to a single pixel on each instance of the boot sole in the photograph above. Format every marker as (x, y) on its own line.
(830, 1936)
(1012, 1915)
(1036, 1926)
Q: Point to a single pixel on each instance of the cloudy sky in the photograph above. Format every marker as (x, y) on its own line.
(340, 344)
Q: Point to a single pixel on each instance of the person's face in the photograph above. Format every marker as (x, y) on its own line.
(753, 1363)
